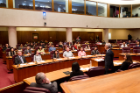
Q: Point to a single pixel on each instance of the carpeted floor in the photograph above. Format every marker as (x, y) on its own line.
(6, 78)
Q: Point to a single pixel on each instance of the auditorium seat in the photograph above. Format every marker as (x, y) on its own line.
(96, 71)
(36, 90)
(136, 49)
(13, 58)
(134, 65)
(74, 78)
(126, 50)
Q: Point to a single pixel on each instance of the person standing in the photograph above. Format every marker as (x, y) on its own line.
(129, 37)
(109, 66)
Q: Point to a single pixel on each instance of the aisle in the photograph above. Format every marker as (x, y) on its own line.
(6, 78)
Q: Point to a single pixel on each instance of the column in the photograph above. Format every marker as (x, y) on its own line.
(106, 35)
(12, 33)
(69, 34)
(67, 5)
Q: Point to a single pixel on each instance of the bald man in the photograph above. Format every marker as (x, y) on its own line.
(43, 82)
(20, 59)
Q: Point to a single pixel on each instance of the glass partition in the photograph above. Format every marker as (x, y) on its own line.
(3, 3)
(78, 6)
(43, 5)
(135, 10)
(102, 9)
(61, 6)
(114, 10)
(24, 4)
(125, 11)
(90, 8)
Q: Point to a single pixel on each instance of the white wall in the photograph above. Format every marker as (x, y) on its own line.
(136, 10)
(27, 18)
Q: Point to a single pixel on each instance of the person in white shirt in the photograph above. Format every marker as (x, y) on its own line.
(67, 53)
(37, 57)
(123, 45)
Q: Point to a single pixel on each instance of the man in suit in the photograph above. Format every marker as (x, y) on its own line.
(43, 82)
(6, 47)
(129, 37)
(109, 66)
(20, 59)
(28, 50)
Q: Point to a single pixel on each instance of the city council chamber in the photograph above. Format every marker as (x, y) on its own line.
(69, 46)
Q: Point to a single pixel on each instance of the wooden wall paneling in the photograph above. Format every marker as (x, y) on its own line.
(75, 35)
(10, 3)
(4, 37)
(43, 35)
(61, 36)
(84, 36)
(52, 36)
(99, 34)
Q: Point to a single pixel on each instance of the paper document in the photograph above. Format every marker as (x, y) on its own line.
(31, 63)
(117, 63)
(99, 59)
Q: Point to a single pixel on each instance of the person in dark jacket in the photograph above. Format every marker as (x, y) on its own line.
(76, 70)
(56, 54)
(125, 65)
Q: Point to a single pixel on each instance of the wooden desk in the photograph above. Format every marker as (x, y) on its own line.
(135, 56)
(121, 82)
(101, 48)
(55, 75)
(29, 70)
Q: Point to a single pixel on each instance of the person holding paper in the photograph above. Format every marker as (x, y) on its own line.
(67, 53)
(109, 66)
(43, 82)
(76, 70)
(95, 51)
(81, 52)
(20, 59)
(37, 57)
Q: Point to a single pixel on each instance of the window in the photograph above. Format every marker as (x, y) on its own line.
(61, 6)
(43, 5)
(125, 11)
(114, 11)
(78, 6)
(24, 4)
(3, 3)
(135, 10)
(90, 8)
(102, 9)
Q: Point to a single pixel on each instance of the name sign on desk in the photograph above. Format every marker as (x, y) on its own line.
(116, 63)
(99, 59)
(71, 57)
(59, 59)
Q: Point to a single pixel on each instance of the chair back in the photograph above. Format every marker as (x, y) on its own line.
(13, 58)
(134, 65)
(126, 50)
(8, 50)
(36, 90)
(136, 49)
(96, 71)
(79, 77)
(51, 54)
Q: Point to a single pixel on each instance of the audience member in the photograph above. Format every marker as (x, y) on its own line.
(87, 47)
(52, 48)
(21, 47)
(123, 45)
(125, 65)
(61, 44)
(12, 52)
(37, 57)
(95, 51)
(75, 46)
(78, 39)
(6, 47)
(67, 53)
(41, 50)
(138, 44)
(20, 59)
(69, 44)
(56, 54)
(43, 82)
(76, 70)
(28, 50)
(129, 42)
(81, 52)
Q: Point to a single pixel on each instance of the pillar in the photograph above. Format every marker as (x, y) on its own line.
(106, 35)
(67, 5)
(69, 34)
(12, 34)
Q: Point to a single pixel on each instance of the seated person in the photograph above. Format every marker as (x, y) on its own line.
(65, 43)
(37, 57)
(50, 44)
(67, 53)
(12, 52)
(60, 44)
(21, 47)
(81, 52)
(28, 50)
(129, 42)
(87, 42)
(69, 44)
(46, 41)
(43, 82)
(20, 59)
(87, 47)
(138, 44)
(126, 63)
(52, 48)
(32, 46)
(6, 47)
(56, 54)
(123, 45)
(103, 42)
(41, 50)
(43, 46)
(78, 44)
(75, 46)
(76, 70)
(95, 51)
